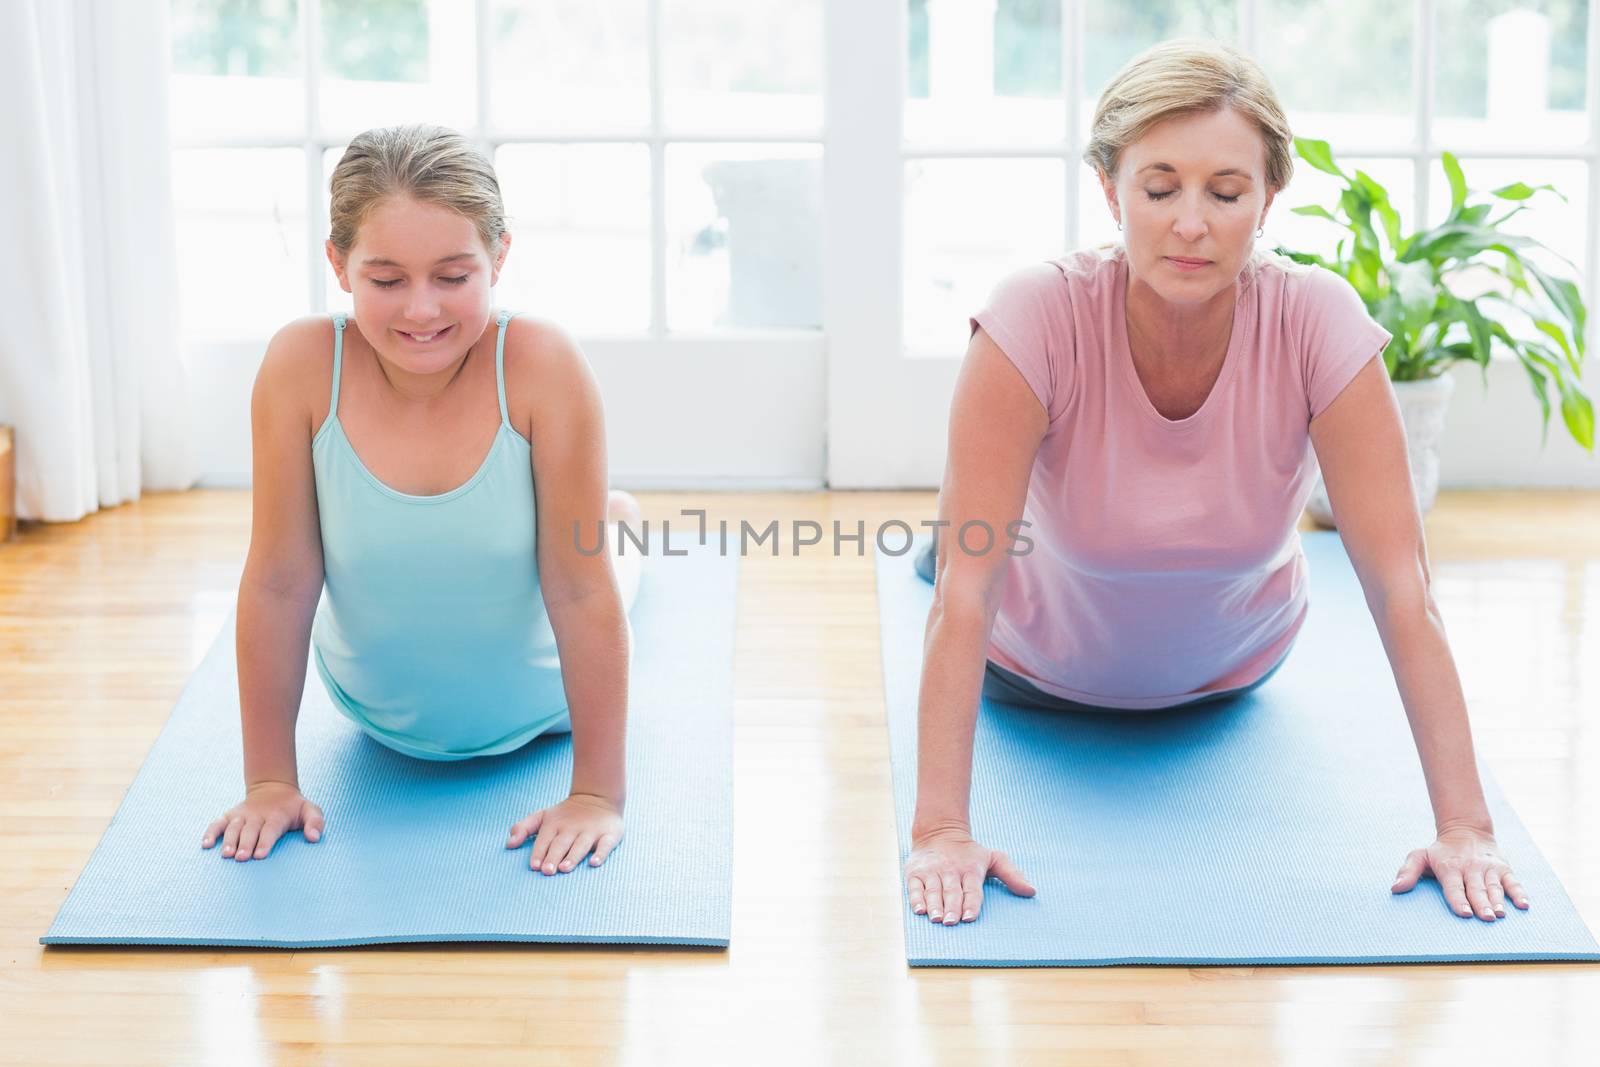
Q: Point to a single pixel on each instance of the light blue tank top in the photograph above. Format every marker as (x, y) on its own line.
(432, 634)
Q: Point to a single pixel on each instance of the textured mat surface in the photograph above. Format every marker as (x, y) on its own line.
(1266, 829)
(415, 849)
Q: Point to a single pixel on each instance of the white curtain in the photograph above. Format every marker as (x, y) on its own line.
(89, 364)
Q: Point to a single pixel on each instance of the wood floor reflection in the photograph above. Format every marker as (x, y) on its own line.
(101, 623)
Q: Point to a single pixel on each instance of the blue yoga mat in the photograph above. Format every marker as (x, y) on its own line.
(415, 849)
(1265, 829)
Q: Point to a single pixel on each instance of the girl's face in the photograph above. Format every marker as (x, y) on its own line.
(1192, 188)
(420, 278)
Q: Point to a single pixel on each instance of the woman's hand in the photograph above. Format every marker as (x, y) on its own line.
(567, 831)
(945, 873)
(268, 811)
(1467, 864)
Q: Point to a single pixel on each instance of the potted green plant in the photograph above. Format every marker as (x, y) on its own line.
(1443, 292)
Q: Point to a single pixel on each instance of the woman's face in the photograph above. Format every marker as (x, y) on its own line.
(1193, 188)
(420, 278)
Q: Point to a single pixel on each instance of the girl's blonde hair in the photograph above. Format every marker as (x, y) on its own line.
(433, 164)
(1187, 77)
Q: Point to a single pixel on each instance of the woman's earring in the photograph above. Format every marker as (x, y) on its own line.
(1261, 231)
(1119, 227)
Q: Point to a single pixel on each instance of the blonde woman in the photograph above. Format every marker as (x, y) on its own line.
(428, 461)
(1156, 411)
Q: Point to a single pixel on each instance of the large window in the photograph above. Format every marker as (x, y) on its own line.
(768, 220)
(660, 159)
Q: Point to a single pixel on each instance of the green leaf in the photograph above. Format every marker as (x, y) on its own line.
(1458, 183)
(1513, 269)
(1513, 213)
(1521, 191)
(1514, 191)
(1306, 257)
(1566, 298)
(1390, 314)
(1459, 240)
(1379, 197)
(1479, 329)
(1317, 210)
(1366, 269)
(1577, 411)
(1358, 209)
(1417, 292)
(1559, 336)
(1318, 155)
(1539, 383)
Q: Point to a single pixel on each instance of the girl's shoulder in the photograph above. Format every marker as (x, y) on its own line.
(537, 348)
(306, 341)
(297, 368)
(545, 369)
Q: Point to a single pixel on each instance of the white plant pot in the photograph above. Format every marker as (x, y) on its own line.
(1422, 409)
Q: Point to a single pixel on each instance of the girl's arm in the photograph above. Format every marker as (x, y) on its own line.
(1361, 446)
(283, 571)
(278, 592)
(567, 431)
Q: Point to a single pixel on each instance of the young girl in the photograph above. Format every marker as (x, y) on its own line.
(430, 462)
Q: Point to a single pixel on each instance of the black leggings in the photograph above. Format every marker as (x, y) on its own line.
(1008, 687)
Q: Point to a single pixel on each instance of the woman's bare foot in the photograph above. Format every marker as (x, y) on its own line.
(622, 507)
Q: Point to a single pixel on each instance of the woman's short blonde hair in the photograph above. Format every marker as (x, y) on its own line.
(432, 164)
(1187, 77)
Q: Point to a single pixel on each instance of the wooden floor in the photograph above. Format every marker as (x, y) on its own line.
(101, 622)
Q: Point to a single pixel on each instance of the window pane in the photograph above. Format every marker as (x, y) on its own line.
(1342, 68)
(241, 236)
(984, 71)
(1306, 233)
(742, 65)
(386, 62)
(566, 65)
(744, 236)
(580, 234)
(1116, 32)
(968, 223)
(241, 59)
(1510, 73)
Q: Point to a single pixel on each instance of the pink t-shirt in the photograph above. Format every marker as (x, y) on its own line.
(1165, 562)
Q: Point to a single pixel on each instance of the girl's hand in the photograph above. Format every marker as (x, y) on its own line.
(1467, 864)
(567, 831)
(268, 811)
(945, 873)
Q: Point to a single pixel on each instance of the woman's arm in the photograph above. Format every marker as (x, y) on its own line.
(996, 425)
(567, 430)
(1361, 446)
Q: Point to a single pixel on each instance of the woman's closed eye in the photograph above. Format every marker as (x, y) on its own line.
(392, 282)
(1169, 192)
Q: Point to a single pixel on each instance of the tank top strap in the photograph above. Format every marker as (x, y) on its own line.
(338, 360)
(500, 364)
